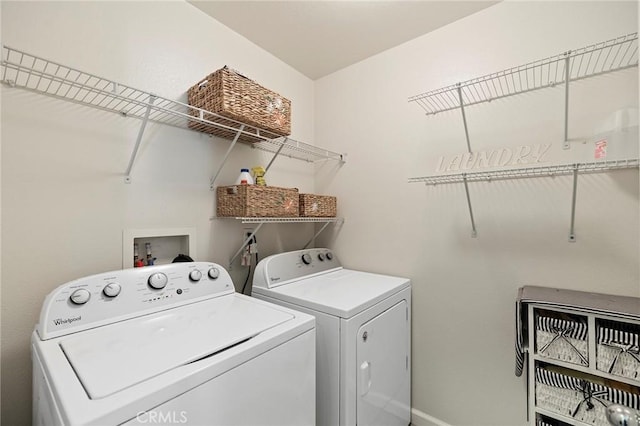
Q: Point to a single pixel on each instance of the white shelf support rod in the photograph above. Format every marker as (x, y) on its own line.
(464, 117)
(567, 75)
(275, 155)
(127, 173)
(317, 233)
(224, 159)
(244, 244)
(572, 234)
(474, 233)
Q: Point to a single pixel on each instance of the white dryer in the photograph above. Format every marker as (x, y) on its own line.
(363, 329)
(170, 344)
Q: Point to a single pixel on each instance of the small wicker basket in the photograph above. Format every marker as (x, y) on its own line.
(312, 205)
(544, 421)
(230, 94)
(256, 201)
(580, 399)
(618, 349)
(564, 339)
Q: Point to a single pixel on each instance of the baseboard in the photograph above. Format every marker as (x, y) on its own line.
(418, 418)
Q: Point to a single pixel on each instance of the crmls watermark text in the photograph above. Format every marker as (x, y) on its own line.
(524, 154)
(159, 417)
(60, 321)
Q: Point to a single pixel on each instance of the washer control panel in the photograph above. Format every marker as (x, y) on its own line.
(283, 268)
(119, 295)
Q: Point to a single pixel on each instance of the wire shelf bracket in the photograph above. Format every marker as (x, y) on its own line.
(259, 221)
(464, 118)
(590, 61)
(145, 119)
(474, 232)
(244, 243)
(33, 73)
(225, 157)
(530, 172)
(572, 234)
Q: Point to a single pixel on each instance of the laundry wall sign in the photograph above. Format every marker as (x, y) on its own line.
(518, 156)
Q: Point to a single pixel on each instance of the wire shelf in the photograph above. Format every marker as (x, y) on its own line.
(299, 150)
(601, 58)
(254, 220)
(30, 72)
(528, 172)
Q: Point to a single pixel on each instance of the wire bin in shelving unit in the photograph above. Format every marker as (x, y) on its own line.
(617, 349)
(562, 337)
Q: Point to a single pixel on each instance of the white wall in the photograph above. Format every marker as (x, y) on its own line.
(65, 203)
(464, 288)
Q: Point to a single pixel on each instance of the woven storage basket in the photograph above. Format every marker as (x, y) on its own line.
(618, 349)
(256, 201)
(232, 95)
(544, 421)
(562, 339)
(312, 205)
(579, 399)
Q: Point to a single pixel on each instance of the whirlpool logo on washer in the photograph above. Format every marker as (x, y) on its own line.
(66, 321)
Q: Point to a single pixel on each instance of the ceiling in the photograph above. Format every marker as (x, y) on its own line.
(320, 37)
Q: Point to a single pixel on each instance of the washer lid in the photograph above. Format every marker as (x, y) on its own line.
(343, 293)
(112, 358)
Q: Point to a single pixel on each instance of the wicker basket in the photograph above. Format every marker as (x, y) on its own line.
(580, 399)
(618, 349)
(545, 421)
(256, 201)
(232, 95)
(312, 205)
(564, 339)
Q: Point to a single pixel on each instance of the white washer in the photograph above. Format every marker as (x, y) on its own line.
(363, 326)
(170, 344)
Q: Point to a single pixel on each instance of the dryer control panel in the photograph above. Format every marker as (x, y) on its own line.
(119, 295)
(283, 268)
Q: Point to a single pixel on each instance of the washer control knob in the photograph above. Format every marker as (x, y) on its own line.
(158, 281)
(321, 257)
(80, 296)
(112, 289)
(329, 255)
(213, 273)
(306, 259)
(195, 275)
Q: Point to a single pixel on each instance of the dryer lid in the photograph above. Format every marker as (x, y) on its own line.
(343, 293)
(112, 358)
